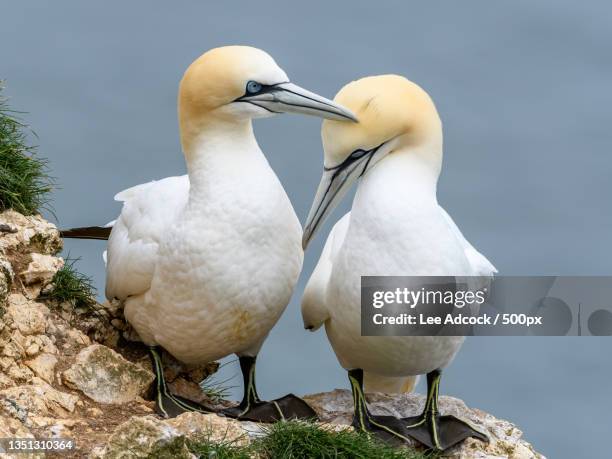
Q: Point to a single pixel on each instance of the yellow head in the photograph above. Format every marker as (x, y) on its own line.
(388, 107)
(220, 76)
(238, 83)
(394, 114)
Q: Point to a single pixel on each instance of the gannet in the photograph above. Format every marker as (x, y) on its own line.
(206, 263)
(395, 227)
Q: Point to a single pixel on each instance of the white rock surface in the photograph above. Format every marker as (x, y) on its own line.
(38, 398)
(42, 268)
(39, 273)
(150, 436)
(43, 366)
(28, 234)
(505, 438)
(28, 317)
(106, 377)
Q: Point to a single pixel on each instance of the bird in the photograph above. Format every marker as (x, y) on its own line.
(206, 263)
(395, 227)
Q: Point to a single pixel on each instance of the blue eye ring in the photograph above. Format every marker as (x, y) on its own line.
(253, 87)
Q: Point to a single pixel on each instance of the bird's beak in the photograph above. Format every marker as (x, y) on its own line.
(335, 182)
(290, 98)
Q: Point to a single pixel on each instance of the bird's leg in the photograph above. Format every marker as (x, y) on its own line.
(435, 431)
(252, 408)
(431, 429)
(250, 397)
(167, 404)
(388, 428)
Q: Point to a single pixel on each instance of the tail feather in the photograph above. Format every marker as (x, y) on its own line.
(87, 232)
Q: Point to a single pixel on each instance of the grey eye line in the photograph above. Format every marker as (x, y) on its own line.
(354, 156)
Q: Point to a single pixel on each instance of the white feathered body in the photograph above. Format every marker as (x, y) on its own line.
(396, 227)
(206, 264)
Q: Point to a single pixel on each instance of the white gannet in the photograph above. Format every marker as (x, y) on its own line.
(206, 263)
(395, 227)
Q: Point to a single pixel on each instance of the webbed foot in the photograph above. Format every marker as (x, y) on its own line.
(281, 409)
(253, 409)
(167, 404)
(431, 429)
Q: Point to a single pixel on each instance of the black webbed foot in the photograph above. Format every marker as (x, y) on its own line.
(253, 409)
(281, 409)
(432, 430)
(167, 404)
(439, 433)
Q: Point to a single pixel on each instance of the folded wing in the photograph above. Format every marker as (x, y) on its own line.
(148, 211)
(314, 309)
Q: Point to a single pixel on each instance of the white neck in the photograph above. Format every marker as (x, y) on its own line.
(401, 183)
(218, 150)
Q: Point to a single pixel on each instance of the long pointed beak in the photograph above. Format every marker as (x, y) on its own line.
(290, 98)
(334, 184)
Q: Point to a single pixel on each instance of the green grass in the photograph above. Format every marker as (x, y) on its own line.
(24, 181)
(218, 450)
(297, 440)
(71, 286)
(303, 440)
(214, 389)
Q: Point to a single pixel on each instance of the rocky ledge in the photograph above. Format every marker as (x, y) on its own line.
(75, 371)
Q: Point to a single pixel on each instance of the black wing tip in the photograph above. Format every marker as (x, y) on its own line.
(87, 232)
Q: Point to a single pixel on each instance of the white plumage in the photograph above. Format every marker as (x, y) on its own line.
(206, 263)
(207, 271)
(396, 227)
(148, 211)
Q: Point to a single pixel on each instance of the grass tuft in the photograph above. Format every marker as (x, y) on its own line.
(217, 390)
(297, 440)
(24, 181)
(304, 440)
(205, 449)
(72, 286)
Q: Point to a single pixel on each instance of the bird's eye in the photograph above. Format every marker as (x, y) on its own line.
(253, 87)
(358, 154)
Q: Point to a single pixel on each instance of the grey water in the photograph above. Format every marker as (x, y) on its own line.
(524, 92)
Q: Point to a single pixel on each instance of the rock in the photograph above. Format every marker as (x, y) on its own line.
(151, 437)
(32, 349)
(7, 228)
(13, 345)
(95, 412)
(12, 428)
(38, 398)
(41, 269)
(5, 381)
(505, 438)
(145, 437)
(78, 337)
(28, 317)
(185, 381)
(19, 373)
(43, 366)
(34, 234)
(187, 389)
(49, 427)
(215, 428)
(106, 377)
(6, 280)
